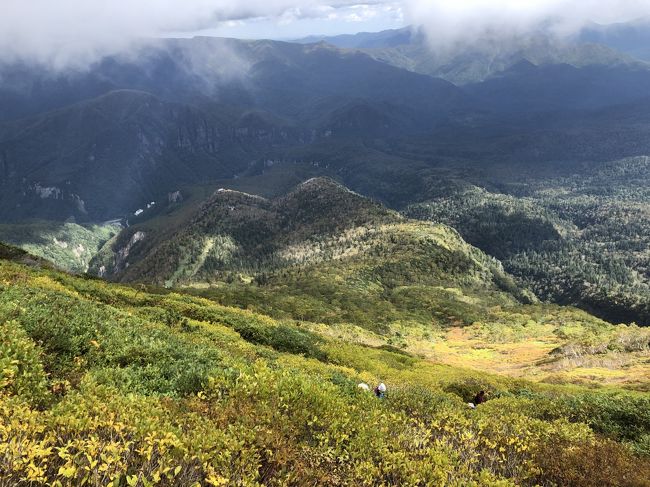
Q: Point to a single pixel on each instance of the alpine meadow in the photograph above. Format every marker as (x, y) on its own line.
(325, 243)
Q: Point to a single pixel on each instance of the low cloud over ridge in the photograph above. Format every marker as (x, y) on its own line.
(65, 33)
(464, 21)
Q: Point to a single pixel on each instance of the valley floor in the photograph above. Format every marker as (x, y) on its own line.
(534, 352)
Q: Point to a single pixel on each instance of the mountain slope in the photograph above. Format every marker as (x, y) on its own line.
(196, 110)
(581, 239)
(525, 88)
(485, 58)
(103, 158)
(70, 245)
(118, 383)
(347, 258)
(175, 117)
(632, 37)
(278, 76)
(72, 161)
(366, 40)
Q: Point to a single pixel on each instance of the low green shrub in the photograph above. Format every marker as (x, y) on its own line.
(21, 370)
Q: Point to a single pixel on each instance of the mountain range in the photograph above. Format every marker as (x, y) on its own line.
(348, 258)
(147, 135)
(213, 250)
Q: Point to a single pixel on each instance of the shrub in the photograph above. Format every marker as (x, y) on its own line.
(467, 388)
(283, 339)
(602, 462)
(21, 371)
(622, 416)
(423, 404)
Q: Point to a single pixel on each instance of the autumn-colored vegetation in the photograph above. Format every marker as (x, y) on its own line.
(103, 384)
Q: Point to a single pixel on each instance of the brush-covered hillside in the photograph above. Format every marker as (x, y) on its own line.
(349, 268)
(102, 384)
(319, 253)
(234, 231)
(580, 239)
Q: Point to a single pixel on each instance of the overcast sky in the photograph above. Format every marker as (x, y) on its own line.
(75, 31)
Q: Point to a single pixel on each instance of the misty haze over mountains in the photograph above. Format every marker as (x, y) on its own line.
(208, 108)
(388, 114)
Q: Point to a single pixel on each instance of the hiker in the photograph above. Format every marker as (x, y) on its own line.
(380, 391)
(480, 398)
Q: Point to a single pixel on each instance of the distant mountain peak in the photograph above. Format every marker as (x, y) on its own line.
(228, 192)
(367, 40)
(322, 183)
(522, 66)
(324, 194)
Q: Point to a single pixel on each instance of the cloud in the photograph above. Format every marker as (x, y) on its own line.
(452, 22)
(63, 33)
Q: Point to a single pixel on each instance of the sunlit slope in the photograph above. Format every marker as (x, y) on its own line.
(69, 245)
(115, 384)
(323, 254)
(320, 253)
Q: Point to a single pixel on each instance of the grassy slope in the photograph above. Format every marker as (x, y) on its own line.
(102, 382)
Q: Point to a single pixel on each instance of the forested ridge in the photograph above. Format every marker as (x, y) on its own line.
(579, 240)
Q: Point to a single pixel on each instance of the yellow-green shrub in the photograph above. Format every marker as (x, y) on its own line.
(21, 371)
